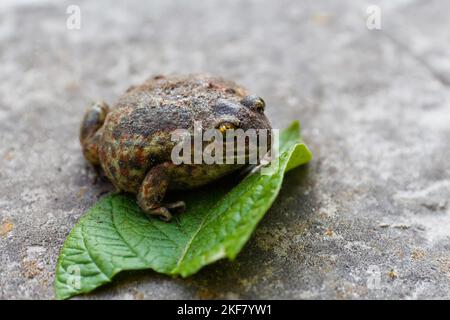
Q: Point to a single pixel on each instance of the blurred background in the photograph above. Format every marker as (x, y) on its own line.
(368, 80)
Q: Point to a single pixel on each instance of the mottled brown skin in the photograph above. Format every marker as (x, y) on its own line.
(131, 142)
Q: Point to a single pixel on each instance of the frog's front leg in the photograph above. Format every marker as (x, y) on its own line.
(90, 131)
(152, 192)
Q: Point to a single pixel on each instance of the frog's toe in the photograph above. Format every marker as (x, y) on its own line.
(162, 212)
(176, 207)
(166, 210)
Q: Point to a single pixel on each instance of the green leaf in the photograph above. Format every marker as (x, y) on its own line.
(115, 235)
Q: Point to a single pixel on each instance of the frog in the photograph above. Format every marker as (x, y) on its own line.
(131, 142)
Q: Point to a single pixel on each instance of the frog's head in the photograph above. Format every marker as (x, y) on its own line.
(245, 113)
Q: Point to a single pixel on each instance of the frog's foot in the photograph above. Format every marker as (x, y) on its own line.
(152, 192)
(162, 212)
(165, 211)
(89, 131)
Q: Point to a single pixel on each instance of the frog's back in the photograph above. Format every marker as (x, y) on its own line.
(169, 103)
(137, 132)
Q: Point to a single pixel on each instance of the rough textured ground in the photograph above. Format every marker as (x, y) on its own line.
(368, 218)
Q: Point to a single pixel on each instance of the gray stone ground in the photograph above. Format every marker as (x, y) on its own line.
(375, 109)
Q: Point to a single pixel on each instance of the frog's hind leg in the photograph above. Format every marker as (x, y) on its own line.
(153, 190)
(89, 132)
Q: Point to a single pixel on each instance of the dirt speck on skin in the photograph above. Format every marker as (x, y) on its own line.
(6, 227)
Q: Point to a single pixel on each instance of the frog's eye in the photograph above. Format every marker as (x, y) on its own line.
(254, 102)
(260, 105)
(223, 127)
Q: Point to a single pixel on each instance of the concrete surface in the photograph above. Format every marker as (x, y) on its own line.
(368, 218)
